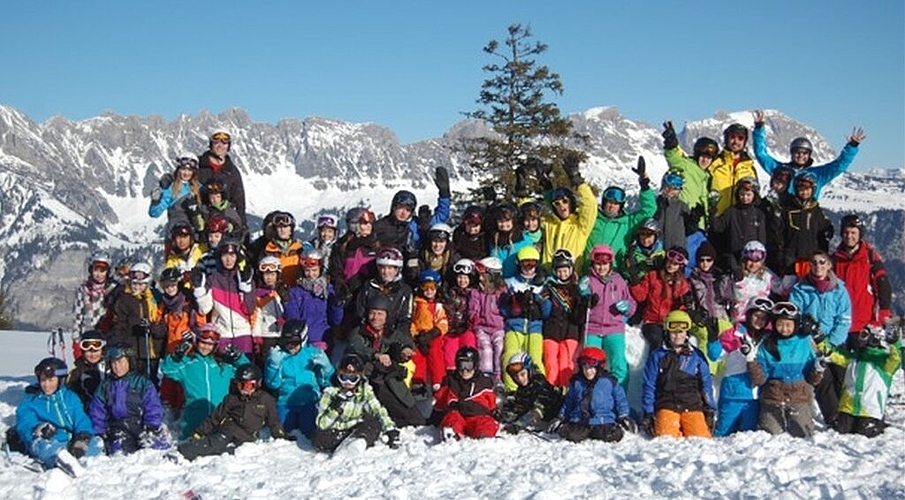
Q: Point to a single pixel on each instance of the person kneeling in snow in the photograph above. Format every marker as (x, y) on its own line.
(126, 407)
(595, 405)
(467, 399)
(350, 411)
(51, 421)
(238, 419)
(536, 402)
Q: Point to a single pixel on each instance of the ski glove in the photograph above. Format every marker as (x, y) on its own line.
(44, 431)
(231, 354)
(647, 425)
(441, 180)
(713, 329)
(424, 339)
(820, 364)
(748, 351)
(245, 275)
(198, 278)
(155, 195)
(627, 424)
(570, 165)
(622, 306)
(641, 172)
(78, 446)
(392, 438)
(181, 350)
(511, 429)
(554, 426)
(166, 180)
(670, 141)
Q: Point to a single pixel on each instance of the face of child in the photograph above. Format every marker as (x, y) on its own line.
(705, 263)
(438, 247)
(429, 292)
(215, 198)
(531, 224)
(589, 371)
(185, 174)
(98, 275)
(611, 209)
(472, 229)
(752, 266)
(778, 185)
(402, 213)
(678, 338)
(93, 357)
(563, 273)
(387, 273)
(602, 268)
(504, 225)
(759, 319)
(270, 278)
(326, 233)
(466, 374)
(804, 190)
(204, 348)
(521, 378)
(671, 267)
(120, 366)
(170, 288)
(647, 239)
(284, 232)
(704, 161)
(214, 239)
(49, 385)
(228, 259)
(670, 192)
(182, 241)
(139, 288)
(527, 267)
(785, 327)
(462, 280)
(746, 197)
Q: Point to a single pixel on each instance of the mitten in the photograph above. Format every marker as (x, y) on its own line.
(627, 424)
(570, 166)
(641, 172)
(166, 180)
(670, 141)
(44, 431)
(441, 180)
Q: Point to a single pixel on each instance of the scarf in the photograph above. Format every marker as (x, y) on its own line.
(822, 285)
(316, 286)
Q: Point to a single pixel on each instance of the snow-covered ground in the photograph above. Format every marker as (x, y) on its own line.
(747, 465)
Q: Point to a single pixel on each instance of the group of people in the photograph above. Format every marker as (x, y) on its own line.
(511, 319)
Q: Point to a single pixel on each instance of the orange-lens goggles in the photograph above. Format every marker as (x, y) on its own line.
(221, 137)
(100, 266)
(428, 285)
(247, 385)
(309, 262)
(515, 368)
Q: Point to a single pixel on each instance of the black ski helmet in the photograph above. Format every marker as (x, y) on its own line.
(350, 363)
(467, 354)
(852, 220)
(293, 329)
(406, 199)
(706, 146)
(735, 129)
(51, 367)
(169, 275)
(248, 372)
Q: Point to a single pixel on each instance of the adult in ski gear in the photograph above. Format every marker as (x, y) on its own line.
(399, 228)
(227, 297)
(858, 264)
(732, 165)
(178, 193)
(217, 162)
(694, 170)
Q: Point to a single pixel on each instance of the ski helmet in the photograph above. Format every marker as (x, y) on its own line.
(389, 256)
(806, 178)
(216, 185)
(405, 199)
(429, 276)
(101, 260)
(677, 320)
(706, 146)
(852, 220)
(527, 253)
(801, 143)
(269, 263)
(754, 251)
(440, 231)
(356, 217)
(529, 210)
(785, 310)
(169, 276)
(293, 330)
(380, 302)
(504, 211)
(782, 173)
(464, 266)
(51, 367)
(592, 356)
(672, 180)
(518, 362)
(602, 254)
(350, 370)
(141, 273)
(181, 228)
(114, 352)
(327, 220)
(748, 183)
(229, 246)
(248, 377)
(467, 358)
(735, 129)
(613, 194)
(563, 258)
(187, 160)
(283, 219)
(220, 135)
(758, 304)
(473, 215)
(217, 224)
(489, 265)
(649, 225)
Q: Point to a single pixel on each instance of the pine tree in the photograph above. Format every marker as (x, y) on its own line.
(514, 102)
(6, 317)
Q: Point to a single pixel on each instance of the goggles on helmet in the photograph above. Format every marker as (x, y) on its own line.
(138, 276)
(515, 368)
(677, 326)
(366, 217)
(785, 309)
(92, 344)
(676, 257)
(229, 248)
(761, 304)
(209, 336)
(283, 220)
(602, 258)
(221, 137)
(269, 267)
(100, 265)
(586, 362)
(185, 162)
(215, 187)
(326, 220)
(428, 285)
(348, 378)
(673, 180)
(614, 194)
(754, 255)
(463, 268)
(247, 385)
(465, 365)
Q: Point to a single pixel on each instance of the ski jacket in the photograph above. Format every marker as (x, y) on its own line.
(471, 398)
(523, 306)
(697, 180)
(599, 401)
(662, 294)
(738, 225)
(457, 310)
(867, 283)
(739, 292)
(228, 307)
(468, 246)
(603, 318)
(832, 308)
(736, 383)
(236, 228)
(290, 254)
(129, 403)
(671, 213)
(231, 176)
(823, 173)
(706, 297)
(205, 381)
(352, 264)
(805, 229)
(725, 172)
(538, 396)
(572, 232)
(180, 316)
(677, 381)
(185, 263)
(868, 377)
(404, 235)
(502, 248)
(320, 313)
(63, 409)
(400, 295)
(429, 315)
(84, 379)
(92, 301)
(484, 310)
(784, 369)
(269, 311)
(617, 232)
(298, 378)
(178, 205)
(240, 418)
(640, 260)
(567, 311)
(134, 316)
(341, 410)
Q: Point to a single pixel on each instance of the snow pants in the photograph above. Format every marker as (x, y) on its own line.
(298, 417)
(736, 415)
(680, 424)
(490, 345)
(327, 440)
(866, 426)
(532, 343)
(796, 419)
(828, 390)
(614, 346)
(215, 444)
(559, 361)
(477, 426)
(576, 432)
(45, 450)
(430, 367)
(453, 342)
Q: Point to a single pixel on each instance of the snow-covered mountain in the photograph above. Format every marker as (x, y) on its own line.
(67, 187)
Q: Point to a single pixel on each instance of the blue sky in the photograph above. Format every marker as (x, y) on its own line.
(414, 66)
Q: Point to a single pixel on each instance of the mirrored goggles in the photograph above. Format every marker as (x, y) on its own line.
(754, 255)
(676, 257)
(366, 217)
(515, 368)
(221, 137)
(208, 336)
(677, 326)
(348, 378)
(614, 194)
(247, 385)
(819, 261)
(186, 163)
(100, 266)
(92, 344)
(465, 365)
(326, 220)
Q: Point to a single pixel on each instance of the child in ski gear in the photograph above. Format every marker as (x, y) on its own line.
(488, 320)
(436, 255)
(285, 247)
(871, 360)
(740, 224)
(739, 408)
(387, 355)
(661, 291)
(506, 240)
(678, 390)
(216, 231)
(610, 306)
(525, 309)
(694, 169)
(89, 369)
(805, 228)
(179, 315)
(595, 406)
(327, 226)
(93, 299)
(182, 252)
(237, 420)
(50, 420)
(204, 375)
(216, 201)
(469, 237)
(535, 403)
(429, 328)
(227, 297)
(313, 300)
(177, 195)
(707, 312)
(529, 220)
(785, 367)
(467, 400)
(563, 328)
(136, 321)
(672, 212)
(349, 410)
(646, 252)
(270, 299)
(457, 305)
(126, 408)
(753, 279)
(298, 372)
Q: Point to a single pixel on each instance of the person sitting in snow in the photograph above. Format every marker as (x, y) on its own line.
(535, 403)
(467, 400)
(349, 411)
(595, 405)
(126, 408)
(239, 419)
(88, 371)
(51, 422)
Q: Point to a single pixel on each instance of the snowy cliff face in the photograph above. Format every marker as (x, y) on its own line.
(69, 187)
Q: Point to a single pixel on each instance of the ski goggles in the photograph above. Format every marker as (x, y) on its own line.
(602, 258)
(677, 326)
(51, 372)
(221, 137)
(676, 257)
(465, 365)
(366, 217)
(185, 162)
(428, 285)
(208, 336)
(614, 194)
(92, 344)
(309, 262)
(215, 188)
(515, 368)
(586, 362)
(761, 304)
(182, 231)
(674, 181)
(139, 277)
(787, 309)
(293, 343)
(269, 267)
(326, 220)
(100, 266)
(754, 255)
(463, 268)
(473, 218)
(247, 385)
(348, 378)
(528, 263)
(437, 235)
(229, 248)
(283, 220)
(872, 336)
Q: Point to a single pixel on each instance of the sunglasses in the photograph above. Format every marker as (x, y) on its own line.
(614, 194)
(348, 378)
(269, 267)
(755, 255)
(247, 385)
(677, 326)
(676, 257)
(819, 261)
(92, 345)
(465, 366)
(429, 285)
(785, 309)
(562, 202)
(463, 269)
(705, 259)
